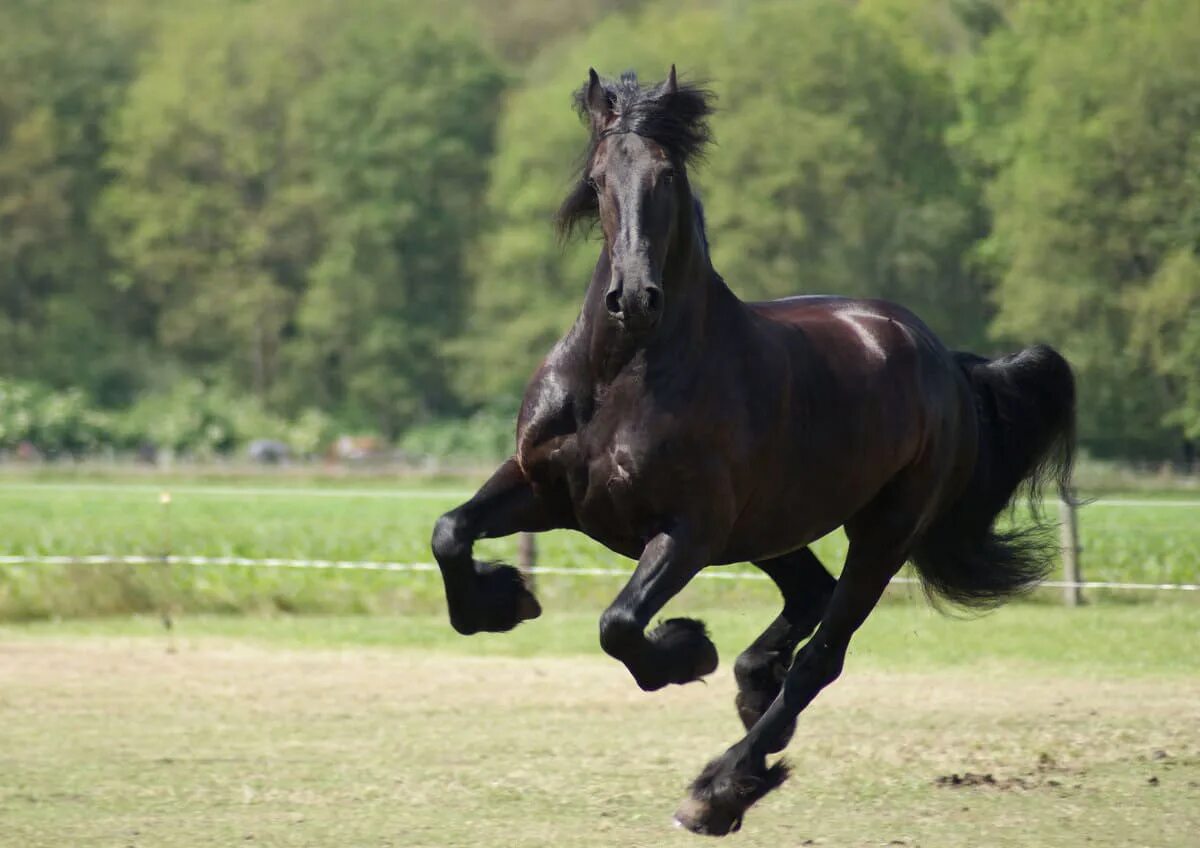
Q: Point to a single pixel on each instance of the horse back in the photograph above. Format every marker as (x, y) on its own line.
(868, 393)
(805, 309)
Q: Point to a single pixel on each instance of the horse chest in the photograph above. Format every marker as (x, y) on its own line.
(611, 482)
(620, 459)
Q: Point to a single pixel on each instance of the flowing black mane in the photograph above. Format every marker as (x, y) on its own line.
(677, 120)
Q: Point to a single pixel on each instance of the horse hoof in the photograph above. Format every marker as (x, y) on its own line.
(683, 651)
(496, 601)
(528, 607)
(701, 818)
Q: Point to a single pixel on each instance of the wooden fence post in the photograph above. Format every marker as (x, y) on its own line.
(1069, 528)
(167, 584)
(527, 556)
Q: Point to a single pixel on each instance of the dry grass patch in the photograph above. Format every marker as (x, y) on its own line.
(117, 742)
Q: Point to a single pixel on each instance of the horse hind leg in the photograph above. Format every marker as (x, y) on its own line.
(731, 783)
(760, 670)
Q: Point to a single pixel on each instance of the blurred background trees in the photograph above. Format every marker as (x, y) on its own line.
(327, 215)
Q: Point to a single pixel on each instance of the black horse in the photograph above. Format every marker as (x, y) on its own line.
(682, 427)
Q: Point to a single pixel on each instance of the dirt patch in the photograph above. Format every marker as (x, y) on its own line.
(987, 780)
(1047, 773)
(970, 778)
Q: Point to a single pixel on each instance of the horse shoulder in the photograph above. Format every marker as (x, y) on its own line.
(547, 422)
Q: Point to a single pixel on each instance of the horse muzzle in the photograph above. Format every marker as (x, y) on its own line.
(637, 308)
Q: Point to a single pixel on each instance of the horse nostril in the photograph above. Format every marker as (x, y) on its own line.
(613, 301)
(653, 298)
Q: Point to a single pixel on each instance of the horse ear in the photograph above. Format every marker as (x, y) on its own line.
(672, 83)
(599, 107)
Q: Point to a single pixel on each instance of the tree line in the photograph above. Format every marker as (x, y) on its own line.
(339, 214)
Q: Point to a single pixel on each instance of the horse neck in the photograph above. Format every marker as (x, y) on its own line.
(693, 289)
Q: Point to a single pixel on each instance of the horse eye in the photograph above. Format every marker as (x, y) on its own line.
(593, 184)
(668, 177)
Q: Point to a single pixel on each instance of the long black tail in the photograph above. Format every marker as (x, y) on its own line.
(1026, 408)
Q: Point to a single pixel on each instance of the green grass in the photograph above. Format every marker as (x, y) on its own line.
(299, 731)
(371, 520)
(1151, 639)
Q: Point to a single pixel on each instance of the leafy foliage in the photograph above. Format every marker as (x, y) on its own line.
(63, 66)
(294, 191)
(56, 422)
(1085, 120)
(347, 207)
(835, 177)
(190, 419)
(397, 133)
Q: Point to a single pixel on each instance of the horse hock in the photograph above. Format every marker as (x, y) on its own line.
(760, 675)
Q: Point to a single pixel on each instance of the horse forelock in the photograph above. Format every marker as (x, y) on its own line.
(676, 120)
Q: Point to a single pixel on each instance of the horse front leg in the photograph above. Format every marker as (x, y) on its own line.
(678, 650)
(492, 596)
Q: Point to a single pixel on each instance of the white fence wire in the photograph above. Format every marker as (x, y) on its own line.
(368, 565)
(403, 493)
(361, 565)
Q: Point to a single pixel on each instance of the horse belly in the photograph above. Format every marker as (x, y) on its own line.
(810, 491)
(773, 533)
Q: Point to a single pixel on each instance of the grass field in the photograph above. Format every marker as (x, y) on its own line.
(1079, 727)
(1034, 726)
(1147, 540)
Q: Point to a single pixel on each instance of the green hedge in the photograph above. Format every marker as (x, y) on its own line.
(190, 418)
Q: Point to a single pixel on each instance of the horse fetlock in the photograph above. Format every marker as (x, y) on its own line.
(448, 543)
(503, 596)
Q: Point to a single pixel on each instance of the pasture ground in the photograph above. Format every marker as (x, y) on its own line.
(1077, 728)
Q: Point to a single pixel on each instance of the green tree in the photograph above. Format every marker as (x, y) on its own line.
(63, 66)
(521, 29)
(207, 213)
(398, 134)
(1083, 119)
(295, 183)
(1166, 329)
(832, 174)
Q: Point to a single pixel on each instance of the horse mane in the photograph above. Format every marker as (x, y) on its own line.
(677, 120)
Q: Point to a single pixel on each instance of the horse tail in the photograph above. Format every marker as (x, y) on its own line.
(1025, 406)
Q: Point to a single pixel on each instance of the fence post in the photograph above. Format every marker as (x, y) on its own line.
(165, 586)
(526, 556)
(1069, 529)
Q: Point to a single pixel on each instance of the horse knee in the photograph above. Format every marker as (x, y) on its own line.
(448, 538)
(619, 632)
